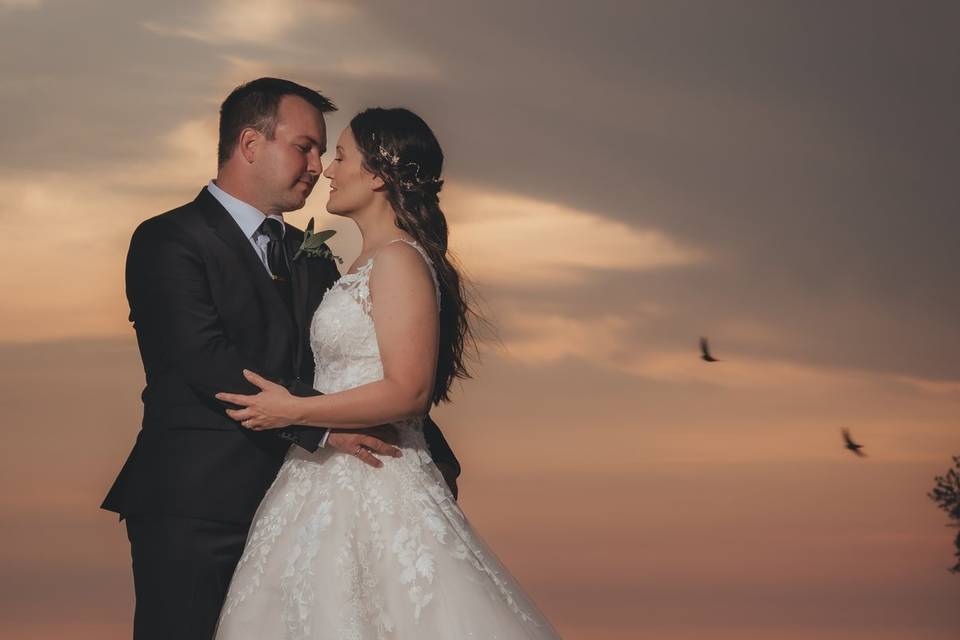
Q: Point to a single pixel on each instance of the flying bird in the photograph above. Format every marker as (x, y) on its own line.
(850, 444)
(705, 351)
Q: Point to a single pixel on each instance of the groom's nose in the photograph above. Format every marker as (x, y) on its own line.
(314, 163)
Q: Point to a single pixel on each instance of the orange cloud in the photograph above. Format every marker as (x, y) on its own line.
(253, 22)
(19, 4)
(504, 237)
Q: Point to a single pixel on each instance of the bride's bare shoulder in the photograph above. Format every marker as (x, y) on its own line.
(400, 266)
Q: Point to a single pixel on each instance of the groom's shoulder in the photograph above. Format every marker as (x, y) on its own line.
(180, 226)
(185, 219)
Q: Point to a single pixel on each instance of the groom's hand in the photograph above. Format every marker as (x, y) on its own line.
(367, 444)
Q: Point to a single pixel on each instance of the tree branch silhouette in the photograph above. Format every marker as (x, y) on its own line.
(946, 494)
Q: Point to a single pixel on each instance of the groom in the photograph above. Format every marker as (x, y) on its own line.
(212, 291)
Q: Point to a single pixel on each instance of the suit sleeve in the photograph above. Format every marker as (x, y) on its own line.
(175, 317)
(440, 451)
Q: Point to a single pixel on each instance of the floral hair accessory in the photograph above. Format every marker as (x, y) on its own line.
(392, 158)
(416, 181)
(406, 181)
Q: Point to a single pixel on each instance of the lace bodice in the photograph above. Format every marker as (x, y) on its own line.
(342, 335)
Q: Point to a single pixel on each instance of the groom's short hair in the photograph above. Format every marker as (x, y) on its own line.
(254, 105)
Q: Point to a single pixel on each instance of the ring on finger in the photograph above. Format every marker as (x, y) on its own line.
(359, 450)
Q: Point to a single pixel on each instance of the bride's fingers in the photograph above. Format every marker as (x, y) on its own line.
(265, 425)
(261, 382)
(241, 414)
(234, 398)
(255, 423)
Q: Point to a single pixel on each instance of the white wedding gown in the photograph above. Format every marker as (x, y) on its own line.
(344, 551)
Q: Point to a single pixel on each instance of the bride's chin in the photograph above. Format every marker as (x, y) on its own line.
(334, 210)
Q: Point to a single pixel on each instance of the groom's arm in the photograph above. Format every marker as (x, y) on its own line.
(440, 451)
(442, 454)
(178, 324)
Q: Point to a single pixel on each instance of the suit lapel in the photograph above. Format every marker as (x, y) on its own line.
(300, 276)
(229, 232)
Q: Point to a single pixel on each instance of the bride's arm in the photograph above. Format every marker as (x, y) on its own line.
(407, 325)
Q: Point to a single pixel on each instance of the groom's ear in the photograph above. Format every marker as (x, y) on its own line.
(249, 140)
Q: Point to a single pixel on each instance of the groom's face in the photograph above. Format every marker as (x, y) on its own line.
(289, 165)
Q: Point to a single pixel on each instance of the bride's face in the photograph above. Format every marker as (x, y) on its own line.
(352, 188)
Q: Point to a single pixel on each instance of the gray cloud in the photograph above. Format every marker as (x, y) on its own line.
(85, 87)
(808, 147)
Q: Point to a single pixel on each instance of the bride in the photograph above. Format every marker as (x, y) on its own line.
(339, 549)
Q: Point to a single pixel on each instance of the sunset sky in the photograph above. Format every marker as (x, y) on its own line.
(621, 179)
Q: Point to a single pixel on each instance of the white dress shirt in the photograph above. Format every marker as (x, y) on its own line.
(249, 219)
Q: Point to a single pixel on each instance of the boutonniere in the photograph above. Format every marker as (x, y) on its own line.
(314, 244)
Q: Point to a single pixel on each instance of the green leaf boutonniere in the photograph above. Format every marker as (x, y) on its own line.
(314, 244)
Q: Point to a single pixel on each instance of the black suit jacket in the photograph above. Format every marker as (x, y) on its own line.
(204, 308)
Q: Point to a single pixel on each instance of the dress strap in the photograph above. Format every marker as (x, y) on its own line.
(422, 252)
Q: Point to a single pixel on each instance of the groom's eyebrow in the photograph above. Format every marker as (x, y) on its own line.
(322, 147)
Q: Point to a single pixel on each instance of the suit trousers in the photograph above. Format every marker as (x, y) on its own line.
(181, 571)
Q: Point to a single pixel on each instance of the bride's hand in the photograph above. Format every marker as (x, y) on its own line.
(273, 408)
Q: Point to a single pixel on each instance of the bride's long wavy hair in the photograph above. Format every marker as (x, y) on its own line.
(397, 145)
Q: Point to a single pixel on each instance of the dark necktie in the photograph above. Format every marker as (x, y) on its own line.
(276, 252)
(277, 259)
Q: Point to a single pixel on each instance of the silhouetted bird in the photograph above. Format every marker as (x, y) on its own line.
(705, 351)
(850, 444)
